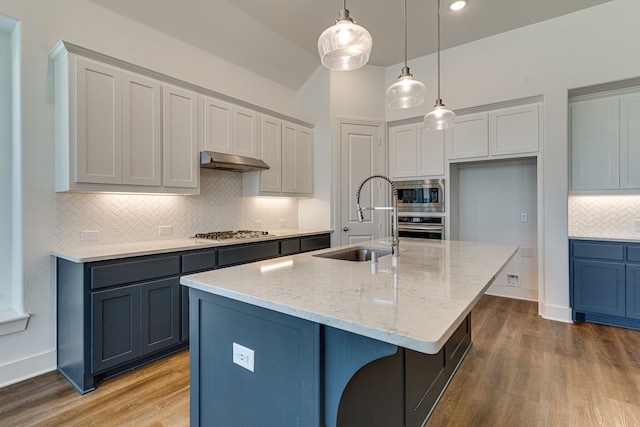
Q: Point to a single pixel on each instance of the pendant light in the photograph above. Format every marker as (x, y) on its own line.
(439, 118)
(406, 92)
(344, 46)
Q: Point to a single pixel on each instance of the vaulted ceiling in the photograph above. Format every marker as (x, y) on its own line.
(278, 38)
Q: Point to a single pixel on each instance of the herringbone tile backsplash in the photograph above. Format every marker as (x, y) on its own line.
(604, 216)
(135, 218)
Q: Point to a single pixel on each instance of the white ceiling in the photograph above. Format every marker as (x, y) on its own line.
(278, 38)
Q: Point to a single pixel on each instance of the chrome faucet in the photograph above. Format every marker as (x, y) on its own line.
(395, 243)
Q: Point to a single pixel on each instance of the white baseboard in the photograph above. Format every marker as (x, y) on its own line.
(23, 369)
(512, 292)
(557, 313)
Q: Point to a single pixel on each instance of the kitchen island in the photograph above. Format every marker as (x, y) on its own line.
(308, 340)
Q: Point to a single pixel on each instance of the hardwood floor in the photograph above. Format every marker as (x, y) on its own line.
(521, 371)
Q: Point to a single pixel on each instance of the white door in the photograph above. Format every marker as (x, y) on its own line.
(361, 155)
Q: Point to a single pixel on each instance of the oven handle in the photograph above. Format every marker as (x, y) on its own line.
(424, 229)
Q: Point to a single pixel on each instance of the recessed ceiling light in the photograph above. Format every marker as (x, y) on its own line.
(458, 4)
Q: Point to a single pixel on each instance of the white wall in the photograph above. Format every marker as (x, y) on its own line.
(43, 23)
(592, 46)
(491, 198)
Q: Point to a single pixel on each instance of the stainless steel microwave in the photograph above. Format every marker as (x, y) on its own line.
(425, 195)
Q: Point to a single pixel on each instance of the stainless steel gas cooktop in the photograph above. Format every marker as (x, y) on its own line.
(239, 234)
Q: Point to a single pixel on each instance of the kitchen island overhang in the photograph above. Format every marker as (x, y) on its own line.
(414, 304)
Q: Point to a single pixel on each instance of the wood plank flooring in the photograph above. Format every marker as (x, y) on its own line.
(521, 371)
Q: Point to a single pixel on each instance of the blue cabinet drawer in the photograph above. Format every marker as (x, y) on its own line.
(113, 273)
(633, 253)
(198, 261)
(598, 250)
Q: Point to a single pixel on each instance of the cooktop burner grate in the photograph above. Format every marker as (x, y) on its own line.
(239, 234)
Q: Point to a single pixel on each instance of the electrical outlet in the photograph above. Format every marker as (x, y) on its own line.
(243, 356)
(90, 235)
(283, 223)
(165, 229)
(524, 217)
(636, 225)
(526, 252)
(512, 280)
(257, 225)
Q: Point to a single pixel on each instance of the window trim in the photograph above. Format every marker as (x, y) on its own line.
(12, 316)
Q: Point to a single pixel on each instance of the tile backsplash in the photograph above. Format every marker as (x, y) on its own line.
(604, 216)
(120, 218)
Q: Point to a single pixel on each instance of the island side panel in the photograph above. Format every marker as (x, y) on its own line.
(283, 389)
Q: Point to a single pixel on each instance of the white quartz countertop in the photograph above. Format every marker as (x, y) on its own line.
(415, 301)
(125, 250)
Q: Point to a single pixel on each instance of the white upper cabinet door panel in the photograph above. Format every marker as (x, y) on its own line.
(297, 159)
(99, 123)
(430, 151)
(304, 162)
(595, 152)
(218, 125)
(271, 146)
(630, 142)
(180, 137)
(468, 137)
(142, 142)
(403, 150)
(246, 132)
(514, 130)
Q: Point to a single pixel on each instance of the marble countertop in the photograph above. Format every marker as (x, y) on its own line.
(415, 301)
(125, 250)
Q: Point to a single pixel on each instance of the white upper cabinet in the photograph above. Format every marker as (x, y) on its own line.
(514, 130)
(468, 138)
(415, 152)
(288, 150)
(230, 129)
(271, 147)
(116, 131)
(605, 143)
(595, 145)
(297, 159)
(218, 119)
(504, 133)
(142, 138)
(180, 138)
(630, 142)
(246, 132)
(430, 152)
(99, 123)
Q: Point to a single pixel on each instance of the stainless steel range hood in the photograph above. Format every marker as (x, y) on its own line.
(230, 162)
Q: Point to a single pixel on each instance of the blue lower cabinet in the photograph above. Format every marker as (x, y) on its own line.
(605, 282)
(601, 287)
(115, 327)
(633, 291)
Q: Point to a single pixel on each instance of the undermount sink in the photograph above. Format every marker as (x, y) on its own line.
(358, 253)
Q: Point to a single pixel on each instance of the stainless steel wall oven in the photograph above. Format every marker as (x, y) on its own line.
(421, 227)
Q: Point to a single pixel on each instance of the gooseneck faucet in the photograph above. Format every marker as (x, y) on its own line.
(395, 243)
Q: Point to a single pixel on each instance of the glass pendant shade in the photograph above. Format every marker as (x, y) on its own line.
(344, 46)
(406, 92)
(439, 118)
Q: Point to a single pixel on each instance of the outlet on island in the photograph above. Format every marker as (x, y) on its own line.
(243, 356)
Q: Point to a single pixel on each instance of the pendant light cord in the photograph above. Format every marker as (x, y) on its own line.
(438, 49)
(406, 51)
